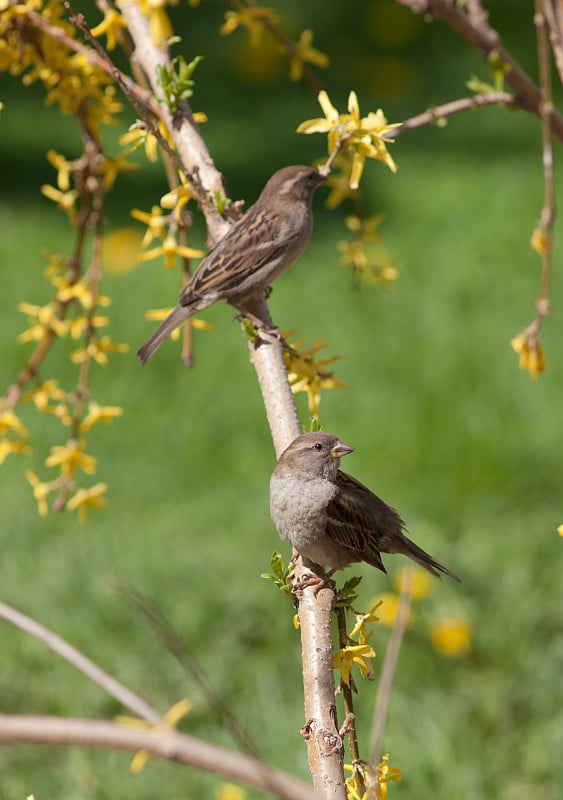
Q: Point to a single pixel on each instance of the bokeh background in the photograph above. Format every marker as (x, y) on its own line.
(445, 426)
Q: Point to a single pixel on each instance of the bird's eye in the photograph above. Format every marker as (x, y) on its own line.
(317, 446)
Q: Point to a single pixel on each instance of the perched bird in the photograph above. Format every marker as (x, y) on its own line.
(257, 248)
(329, 517)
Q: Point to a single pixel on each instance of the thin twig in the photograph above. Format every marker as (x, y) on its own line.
(547, 217)
(389, 668)
(288, 45)
(180, 651)
(555, 34)
(433, 115)
(348, 698)
(82, 663)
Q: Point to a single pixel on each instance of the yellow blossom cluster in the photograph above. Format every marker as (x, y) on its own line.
(69, 78)
(357, 137)
(358, 651)
(69, 458)
(257, 20)
(307, 373)
(374, 780)
(365, 253)
(530, 351)
(12, 435)
(72, 313)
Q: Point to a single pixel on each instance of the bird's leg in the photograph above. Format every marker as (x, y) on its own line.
(258, 323)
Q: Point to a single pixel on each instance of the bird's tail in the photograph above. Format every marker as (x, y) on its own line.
(425, 560)
(176, 317)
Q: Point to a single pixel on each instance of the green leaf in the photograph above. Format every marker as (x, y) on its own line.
(347, 594)
(279, 574)
(176, 81)
(478, 86)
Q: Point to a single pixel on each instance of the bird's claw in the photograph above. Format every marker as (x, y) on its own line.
(319, 582)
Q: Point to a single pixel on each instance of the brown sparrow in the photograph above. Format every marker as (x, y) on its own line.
(329, 517)
(257, 248)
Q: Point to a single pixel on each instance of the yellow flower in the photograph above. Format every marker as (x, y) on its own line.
(531, 353)
(228, 791)
(366, 227)
(170, 249)
(302, 52)
(110, 26)
(40, 492)
(111, 167)
(9, 446)
(48, 390)
(98, 413)
(70, 456)
(539, 240)
(79, 290)
(422, 583)
(156, 223)
(364, 137)
(452, 636)
(374, 779)
(83, 499)
(98, 350)
(177, 198)
(10, 422)
(358, 654)
(363, 619)
(388, 609)
(338, 183)
(79, 325)
(170, 720)
(159, 23)
(560, 530)
(253, 18)
(41, 319)
(307, 374)
(64, 169)
(66, 201)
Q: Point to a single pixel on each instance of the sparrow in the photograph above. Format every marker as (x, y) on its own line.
(257, 248)
(329, 517)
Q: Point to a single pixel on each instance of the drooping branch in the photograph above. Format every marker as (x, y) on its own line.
(553, 13)
(472, 23)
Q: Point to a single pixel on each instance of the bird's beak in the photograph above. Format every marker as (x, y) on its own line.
(339, 450)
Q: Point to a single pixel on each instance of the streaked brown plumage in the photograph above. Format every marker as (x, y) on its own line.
(257, 248)
(329, 517)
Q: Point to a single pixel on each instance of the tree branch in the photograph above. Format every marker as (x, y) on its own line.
(163, 743)
(474, 26)
(389, 669)
(432, 115)
(189, 143)
(82, 663)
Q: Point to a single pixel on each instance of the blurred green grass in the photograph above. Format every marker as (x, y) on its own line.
(445, 427)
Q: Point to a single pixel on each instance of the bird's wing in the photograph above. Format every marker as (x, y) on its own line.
(242, 252)
(357, 519)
